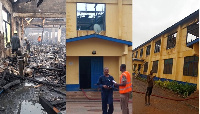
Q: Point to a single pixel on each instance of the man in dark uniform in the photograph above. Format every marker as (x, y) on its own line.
(15, 42)
(149, 87)
(105, 82)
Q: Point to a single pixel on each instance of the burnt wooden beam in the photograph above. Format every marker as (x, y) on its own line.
(48, 106)
(40, 15)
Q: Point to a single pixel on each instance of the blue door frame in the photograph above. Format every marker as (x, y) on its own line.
(96, 70)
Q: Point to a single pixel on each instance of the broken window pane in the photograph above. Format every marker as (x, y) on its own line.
(148, 50)
(190, 66)
(141, 52)
(155, 66)
(168, 64)
(171, 40)
(192, 32)
(89, 14)
(157, 46)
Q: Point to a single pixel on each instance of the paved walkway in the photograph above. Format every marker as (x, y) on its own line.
(158, 105)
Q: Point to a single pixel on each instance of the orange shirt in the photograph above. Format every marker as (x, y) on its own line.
(39, 39)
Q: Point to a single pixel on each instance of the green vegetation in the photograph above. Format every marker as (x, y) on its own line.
(183, 89)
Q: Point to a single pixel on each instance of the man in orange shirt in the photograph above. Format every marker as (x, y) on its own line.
(125, 88)
(39, 40)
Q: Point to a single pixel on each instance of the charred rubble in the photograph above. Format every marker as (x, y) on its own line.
(44, 66)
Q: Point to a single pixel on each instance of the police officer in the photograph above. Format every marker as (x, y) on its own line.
(105, 82)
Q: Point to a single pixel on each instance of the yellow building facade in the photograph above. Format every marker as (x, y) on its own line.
(89, 52)
(173, 54)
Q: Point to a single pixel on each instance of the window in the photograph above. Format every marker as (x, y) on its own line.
(135, 65)
(146, 67)
(139, 67)
(157, 46)
(6, 27)
(148, 50)
(192, 32)
(141, 52)
(168, 64)
(136, 54)
(132, 55)
(89, 14)
(190, 66)
(171, 40)
(155, 66)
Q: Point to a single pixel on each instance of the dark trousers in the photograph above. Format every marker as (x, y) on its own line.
(14, 50)
(105, 110)
(107, 98)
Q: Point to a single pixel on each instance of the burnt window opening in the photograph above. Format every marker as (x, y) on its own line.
(190, 67)
(148, 50)
(136, 54)
(171, 40)
(141, 52)
(6, 27)
(155, 66)
(157, 46)
(89, 14)
(146, 67)
(168, 64)
(192, 32)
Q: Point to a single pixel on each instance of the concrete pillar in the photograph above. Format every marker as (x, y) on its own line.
(150, 64)
(161, 61)
(59, 35)
(120, 19)
(53, 34)
(177, 75)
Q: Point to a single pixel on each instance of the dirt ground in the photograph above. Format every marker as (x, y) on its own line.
(158, 105)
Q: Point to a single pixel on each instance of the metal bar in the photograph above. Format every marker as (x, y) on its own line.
(48, 107)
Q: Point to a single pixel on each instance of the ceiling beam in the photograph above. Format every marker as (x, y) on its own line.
(126, 2)
(40, 15)
(45, 26)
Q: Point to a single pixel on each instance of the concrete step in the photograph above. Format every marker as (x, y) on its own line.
(90, 94)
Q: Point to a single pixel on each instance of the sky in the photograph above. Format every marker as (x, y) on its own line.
(150, 17)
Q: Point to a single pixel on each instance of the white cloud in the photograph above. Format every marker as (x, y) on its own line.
(150, 17)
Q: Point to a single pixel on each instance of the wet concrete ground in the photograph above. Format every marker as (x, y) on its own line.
(24, 99)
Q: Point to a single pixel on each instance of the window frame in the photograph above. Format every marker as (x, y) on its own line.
(154, 67)
(188, 60)
(169, 43)
(168, 66)
(157, 46)
(148, 48)
(141, 52)
(103, 24)
(145, 67)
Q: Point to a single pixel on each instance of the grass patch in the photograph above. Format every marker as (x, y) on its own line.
(184, 90)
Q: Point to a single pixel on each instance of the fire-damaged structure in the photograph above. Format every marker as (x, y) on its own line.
(36, 70)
